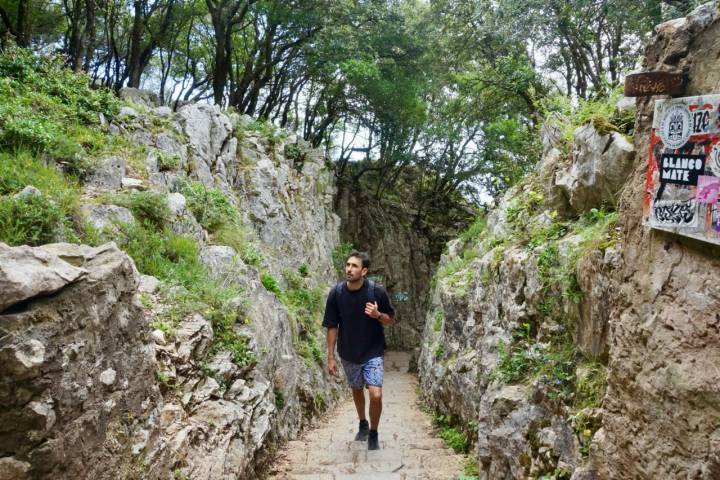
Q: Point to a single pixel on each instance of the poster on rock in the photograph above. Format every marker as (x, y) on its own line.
(682, 191)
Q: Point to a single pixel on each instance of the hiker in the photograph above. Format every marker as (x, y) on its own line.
(355, 314)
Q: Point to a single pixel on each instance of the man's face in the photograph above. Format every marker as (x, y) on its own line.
(354, 269)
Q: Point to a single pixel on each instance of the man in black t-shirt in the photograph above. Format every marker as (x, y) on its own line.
(355, 314)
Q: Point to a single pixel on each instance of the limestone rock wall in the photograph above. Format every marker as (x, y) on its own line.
(663, 400)
(77, 368)
(644, 313)
(520, 313)
(91, 390)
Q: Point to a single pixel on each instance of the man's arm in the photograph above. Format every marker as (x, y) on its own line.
(386, 319)
(331, 340)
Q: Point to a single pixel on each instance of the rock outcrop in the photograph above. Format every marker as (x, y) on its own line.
(519, 315)
(77, 367)
(635, 395)
(663, 398)
(94, 385)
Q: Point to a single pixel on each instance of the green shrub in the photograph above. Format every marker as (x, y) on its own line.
(270, 284)
(238, 237)
(303, 270)
(279, 399)
(210, 206)
(454, 439)
(474, 231)
(439, 351)
(32, 220)
(471, 469)
(167, 162)
(147, 207)
(35, 219)
(437, 319)
(47, 109)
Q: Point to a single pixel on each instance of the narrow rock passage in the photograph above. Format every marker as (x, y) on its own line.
(408, 448)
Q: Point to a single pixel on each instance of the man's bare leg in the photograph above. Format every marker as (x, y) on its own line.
(375, 406)
(359, 399)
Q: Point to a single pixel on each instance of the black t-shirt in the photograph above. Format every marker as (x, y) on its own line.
(360, 337)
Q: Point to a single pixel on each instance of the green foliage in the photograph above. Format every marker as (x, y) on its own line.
(303, 270)
(591, 385)
(437, 319)
(296, 154)
(238, 236)
(186, 285)
(164, 327)
(556, 474)
(279, 399)
(451, 433)
(552, 362)
(210, 206)
(471, 470)
(270, 284)
(47, 109)
(167, 162)
(35, 219)
(147, 207)
(602, 112)
(439, 351)
(473, 232)
(454, 439)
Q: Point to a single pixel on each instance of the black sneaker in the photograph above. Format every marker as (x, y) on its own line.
(373, 440)
(363, 430)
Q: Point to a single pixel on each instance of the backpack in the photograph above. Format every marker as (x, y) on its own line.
(371, 290)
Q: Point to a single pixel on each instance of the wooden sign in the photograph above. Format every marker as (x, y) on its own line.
(654, 83)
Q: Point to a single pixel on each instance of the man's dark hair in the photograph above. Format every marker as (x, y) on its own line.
(362, 256)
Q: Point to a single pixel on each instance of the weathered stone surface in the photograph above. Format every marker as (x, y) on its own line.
(600, 166)
(145, 98)
(27, 272)
(663, 398)
(128, 183)
(12, 469)
(148, 284)
(106, 216)
(108, 174)
(28, 191)
(73, 365)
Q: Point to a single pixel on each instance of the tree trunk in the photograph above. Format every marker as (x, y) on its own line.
(134, 62)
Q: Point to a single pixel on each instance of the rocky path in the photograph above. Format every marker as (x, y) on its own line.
(408, 448)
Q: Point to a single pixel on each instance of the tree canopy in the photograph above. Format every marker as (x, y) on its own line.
(438, 98)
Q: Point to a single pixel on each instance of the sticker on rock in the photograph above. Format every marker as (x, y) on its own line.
(675, 126)
(708, 189)
(716, 217)
(682, 187)
(671, 213)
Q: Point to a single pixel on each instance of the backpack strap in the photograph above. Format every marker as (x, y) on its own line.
(338, 291)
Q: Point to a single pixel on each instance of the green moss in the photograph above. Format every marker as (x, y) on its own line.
(437, 319)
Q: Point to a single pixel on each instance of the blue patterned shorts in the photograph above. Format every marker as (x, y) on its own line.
(369, 373)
